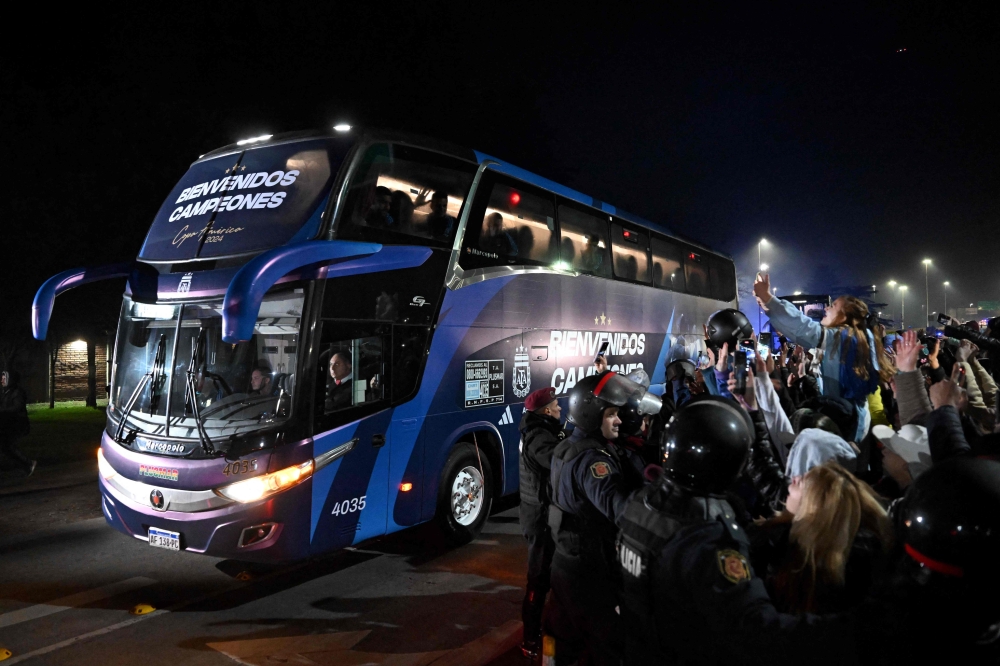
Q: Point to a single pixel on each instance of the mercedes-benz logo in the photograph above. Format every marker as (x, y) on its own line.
(156, 499)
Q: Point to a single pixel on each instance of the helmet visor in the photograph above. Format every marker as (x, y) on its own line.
(615, 389)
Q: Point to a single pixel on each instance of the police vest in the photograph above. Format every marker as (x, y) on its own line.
(586, 538)
(650, 520)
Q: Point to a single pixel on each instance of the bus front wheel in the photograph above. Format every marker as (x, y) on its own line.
(465, 494)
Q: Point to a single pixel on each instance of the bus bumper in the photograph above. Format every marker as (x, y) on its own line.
(218, 532)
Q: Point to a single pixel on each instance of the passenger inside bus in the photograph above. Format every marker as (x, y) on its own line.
(378, 215)
(495, 238)
(439, 223)
(260, 380)
(401, 211)
(592, 256)
(338, 393)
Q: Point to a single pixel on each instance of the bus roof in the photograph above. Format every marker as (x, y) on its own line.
(436, 145)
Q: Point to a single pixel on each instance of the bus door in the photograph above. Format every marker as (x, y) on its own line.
(351, 405)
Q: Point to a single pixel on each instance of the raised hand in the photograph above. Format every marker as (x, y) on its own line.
(964, 351)
(909, 352)
(947, 392)
(932, 354)
(723, 362)
(749, 397)
(762, 288)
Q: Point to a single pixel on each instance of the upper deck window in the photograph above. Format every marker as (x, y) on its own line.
(631, 251)
(513, 224)
(668, 269)
(404, 195)
(696, 273)
(585, 241)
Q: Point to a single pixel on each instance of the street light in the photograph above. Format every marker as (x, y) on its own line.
(946, 296)
(892, 312)
(902, 311)
(927, 292)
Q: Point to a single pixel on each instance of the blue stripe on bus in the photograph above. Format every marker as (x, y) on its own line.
(659, 373)
(458, 313)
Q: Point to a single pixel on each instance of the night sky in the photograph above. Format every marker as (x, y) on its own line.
(808, 127)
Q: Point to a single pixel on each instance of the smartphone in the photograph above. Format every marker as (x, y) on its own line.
(603, 351)
(740, 371)
(746, 344)
(943, 318)
(764, 340)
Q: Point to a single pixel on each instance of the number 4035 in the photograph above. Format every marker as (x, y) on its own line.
(349, 506)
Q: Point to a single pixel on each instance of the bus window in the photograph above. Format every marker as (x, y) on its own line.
(696, 273)
(514, 224)
(584, 244)
(409, 345)
(353, 373)
(400, 194)
(723, 274)
(667, 268)
(630, 249)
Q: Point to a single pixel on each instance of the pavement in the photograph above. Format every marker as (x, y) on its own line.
(80, 593)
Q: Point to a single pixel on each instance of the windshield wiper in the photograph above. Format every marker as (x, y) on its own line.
(154, 378)
(191, 394)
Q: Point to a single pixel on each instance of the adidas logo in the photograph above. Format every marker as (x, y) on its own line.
(507, 418)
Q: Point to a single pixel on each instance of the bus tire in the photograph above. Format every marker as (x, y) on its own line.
(465, 494)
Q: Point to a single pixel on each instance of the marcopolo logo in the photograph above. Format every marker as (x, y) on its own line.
(163, 473)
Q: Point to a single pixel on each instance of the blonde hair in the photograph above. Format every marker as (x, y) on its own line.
(834, 506)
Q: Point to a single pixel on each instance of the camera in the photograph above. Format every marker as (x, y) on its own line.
(984, 342)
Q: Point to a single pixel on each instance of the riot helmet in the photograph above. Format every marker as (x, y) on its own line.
(949, 526)
(682, 369)
(593, 394)
(632, 412)
(707, 443)
(730, 326)
(640, 377)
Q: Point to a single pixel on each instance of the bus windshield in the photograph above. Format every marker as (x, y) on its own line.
(233, 388)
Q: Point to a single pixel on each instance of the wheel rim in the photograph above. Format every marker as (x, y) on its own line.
(467, 496)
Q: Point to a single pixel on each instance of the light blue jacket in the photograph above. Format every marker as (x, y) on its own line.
(803, 331)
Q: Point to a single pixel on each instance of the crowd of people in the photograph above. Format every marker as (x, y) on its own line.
(833, 500)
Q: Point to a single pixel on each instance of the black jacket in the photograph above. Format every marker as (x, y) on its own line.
(764, 470)
(13, 409)
(539, 436)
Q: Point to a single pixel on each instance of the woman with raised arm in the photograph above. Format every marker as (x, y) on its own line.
(850, 364)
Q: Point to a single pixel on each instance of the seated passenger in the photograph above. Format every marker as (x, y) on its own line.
(378, 215)
(338, 393)
(260, 381)
(592, 256)
(401, 210)
(494, 239)
(439, 223)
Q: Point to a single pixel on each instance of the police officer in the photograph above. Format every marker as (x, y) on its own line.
(636, 415)
(689, 593)
(541, 431)
(943, 591)
(592, 478)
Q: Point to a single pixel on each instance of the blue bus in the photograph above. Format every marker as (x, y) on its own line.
(328, 337)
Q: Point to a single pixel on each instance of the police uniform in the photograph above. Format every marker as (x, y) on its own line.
(592, 480)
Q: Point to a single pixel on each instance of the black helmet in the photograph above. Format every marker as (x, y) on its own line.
(680, 369)
(593, 394)
(949, 524)
(707, 443)
(638, 406)
(730, 326)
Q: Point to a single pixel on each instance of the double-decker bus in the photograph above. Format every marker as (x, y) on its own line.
(328, 337)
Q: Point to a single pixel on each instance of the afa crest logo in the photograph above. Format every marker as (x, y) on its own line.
(521, 378)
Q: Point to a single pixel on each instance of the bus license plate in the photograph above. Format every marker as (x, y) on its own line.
(164, 539)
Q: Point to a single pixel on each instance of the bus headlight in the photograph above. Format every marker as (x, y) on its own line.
(104, 467)
(260, 487)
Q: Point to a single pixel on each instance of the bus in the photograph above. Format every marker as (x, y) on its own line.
(329, 336)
